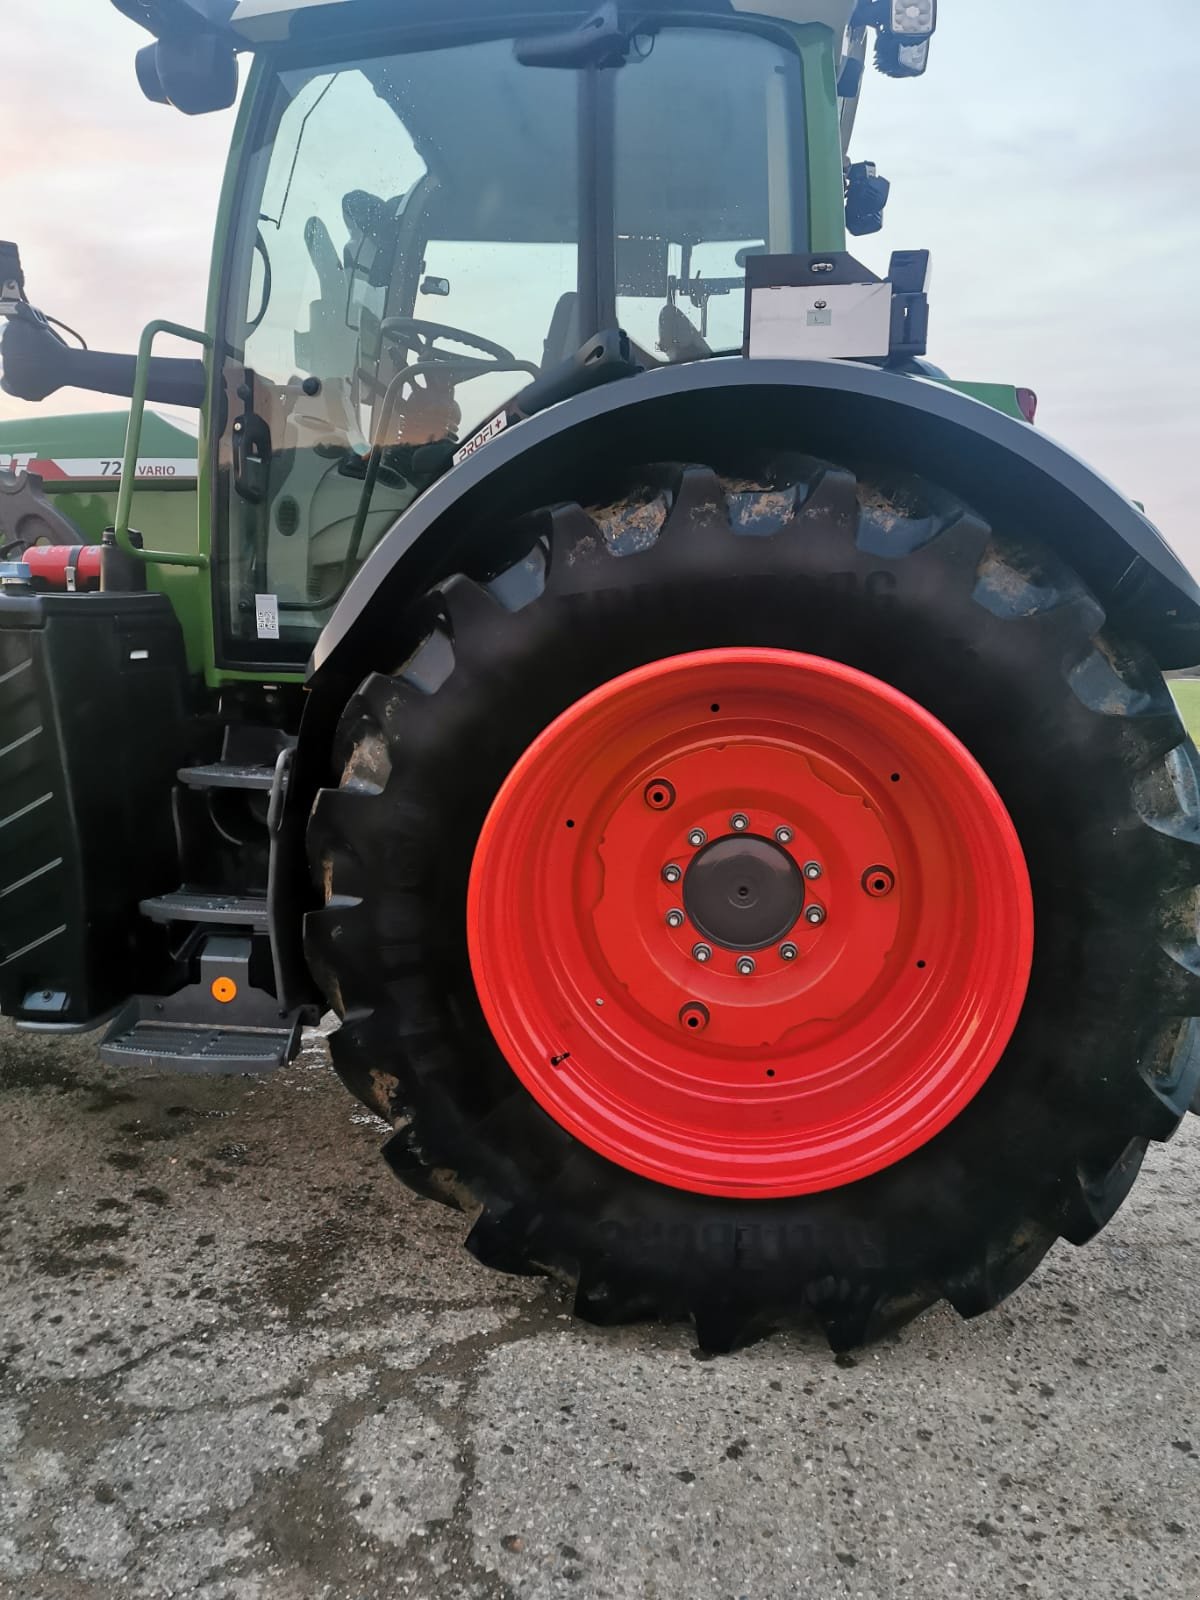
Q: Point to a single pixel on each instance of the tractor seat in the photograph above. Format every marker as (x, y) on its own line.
(564, 337)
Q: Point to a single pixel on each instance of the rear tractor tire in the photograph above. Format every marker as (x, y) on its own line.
(767, 898)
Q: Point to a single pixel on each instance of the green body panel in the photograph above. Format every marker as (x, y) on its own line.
(826, 186)
(1000, 396)
(94, 434)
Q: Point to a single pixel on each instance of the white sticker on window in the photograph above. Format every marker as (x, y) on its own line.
(266, 609)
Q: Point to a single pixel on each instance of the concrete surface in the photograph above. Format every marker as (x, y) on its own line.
(238, 1362)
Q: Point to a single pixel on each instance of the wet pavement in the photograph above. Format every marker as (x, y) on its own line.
(239, 1362)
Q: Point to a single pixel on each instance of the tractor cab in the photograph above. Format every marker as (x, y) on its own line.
(431, 223)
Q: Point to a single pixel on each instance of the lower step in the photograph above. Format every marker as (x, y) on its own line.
(192, 1047)
(140, 1036)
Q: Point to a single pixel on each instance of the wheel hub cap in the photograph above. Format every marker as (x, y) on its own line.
(743, 893)
(750, 923)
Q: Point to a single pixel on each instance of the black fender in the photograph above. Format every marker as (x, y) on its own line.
(1005, 469)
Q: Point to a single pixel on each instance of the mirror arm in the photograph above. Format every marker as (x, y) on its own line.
(36, 362)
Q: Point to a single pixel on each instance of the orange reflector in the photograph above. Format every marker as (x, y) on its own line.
(224, 990)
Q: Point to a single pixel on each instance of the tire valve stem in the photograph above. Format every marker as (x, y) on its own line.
(815, 915)
(557, 1061)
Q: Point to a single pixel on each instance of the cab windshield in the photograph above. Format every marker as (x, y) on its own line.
(422, 234)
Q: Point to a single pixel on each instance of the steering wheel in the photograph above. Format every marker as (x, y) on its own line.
(427, 381)
(422, 338)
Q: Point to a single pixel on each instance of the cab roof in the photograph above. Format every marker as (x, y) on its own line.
(269, 21)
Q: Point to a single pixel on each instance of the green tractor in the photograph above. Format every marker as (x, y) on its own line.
(718, 770)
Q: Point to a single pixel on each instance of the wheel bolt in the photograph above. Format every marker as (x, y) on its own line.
(674, 919)
(739, 822)
(746, 966)
(815, 915)
(702, 952)
(788, 952)
(813, 870)
(671, 873)
(697, 837)
(784, 835)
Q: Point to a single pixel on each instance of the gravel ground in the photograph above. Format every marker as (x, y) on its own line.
(238, 1362)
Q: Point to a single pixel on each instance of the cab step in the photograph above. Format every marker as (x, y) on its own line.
(221, 1024)
(248, 761)
(247, 776)
(217, 910)
(146, 1041)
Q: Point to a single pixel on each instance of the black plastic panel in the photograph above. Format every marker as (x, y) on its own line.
(91, 725)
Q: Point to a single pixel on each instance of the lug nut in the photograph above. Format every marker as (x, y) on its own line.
(671, 873)
(746, 966)
(739, 822)
(697, 837)
(674, 919)
(784, 835)
(788, 952)
(702, 952)
(815, 915)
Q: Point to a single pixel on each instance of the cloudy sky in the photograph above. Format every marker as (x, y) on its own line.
(1050, 159)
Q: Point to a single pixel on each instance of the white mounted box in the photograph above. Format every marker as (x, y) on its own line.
(831, 321)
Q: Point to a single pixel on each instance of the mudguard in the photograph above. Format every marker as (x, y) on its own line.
(1005, 469)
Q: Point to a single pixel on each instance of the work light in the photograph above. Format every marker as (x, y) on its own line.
(914, 19)
(902, 60)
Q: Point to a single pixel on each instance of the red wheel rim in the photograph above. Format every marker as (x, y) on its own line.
(786, 1059)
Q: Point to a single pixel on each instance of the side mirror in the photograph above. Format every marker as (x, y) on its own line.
(866, 198)
(195, 74)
